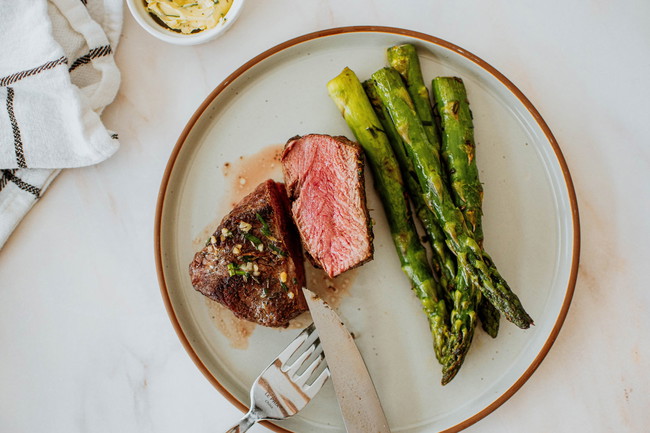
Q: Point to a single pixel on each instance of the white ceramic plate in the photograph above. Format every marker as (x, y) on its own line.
(531, 228)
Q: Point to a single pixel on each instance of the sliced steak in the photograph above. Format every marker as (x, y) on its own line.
(325, 183)
(253, 264)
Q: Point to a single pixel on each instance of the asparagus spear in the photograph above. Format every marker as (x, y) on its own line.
(458, 149)
(457, 293)
(348, 94)
(461, 295)
(443, 260)
(426, 162)
(459, 153)
(404, 59)
(463, 323)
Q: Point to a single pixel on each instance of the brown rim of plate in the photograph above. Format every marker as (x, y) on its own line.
(400, 32)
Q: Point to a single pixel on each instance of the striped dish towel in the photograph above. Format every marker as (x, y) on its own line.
(56, 76)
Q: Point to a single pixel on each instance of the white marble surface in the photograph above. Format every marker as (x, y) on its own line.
(86, 345)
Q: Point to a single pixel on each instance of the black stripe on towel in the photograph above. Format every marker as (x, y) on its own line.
(10, 175)
(92, 54)
(5, 177)
(11, 79)
(18, 142)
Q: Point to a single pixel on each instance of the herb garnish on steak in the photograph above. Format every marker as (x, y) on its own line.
(253, 262)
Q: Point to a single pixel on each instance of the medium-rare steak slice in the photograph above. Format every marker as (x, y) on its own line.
(325, 183)
(253, 262)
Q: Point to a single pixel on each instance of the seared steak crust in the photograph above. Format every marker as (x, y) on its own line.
(253, 262)
(325, 182)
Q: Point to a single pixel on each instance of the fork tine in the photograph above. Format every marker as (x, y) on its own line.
(315, 363)
(292, 369)
(312, 390)
(291, 349)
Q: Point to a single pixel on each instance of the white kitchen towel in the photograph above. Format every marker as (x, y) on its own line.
(57, 73)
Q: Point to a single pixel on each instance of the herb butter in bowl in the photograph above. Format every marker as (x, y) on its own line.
(185, 22)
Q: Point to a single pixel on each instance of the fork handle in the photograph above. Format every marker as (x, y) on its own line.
(244, 424)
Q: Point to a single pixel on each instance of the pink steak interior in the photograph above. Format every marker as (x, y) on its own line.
(324, 177)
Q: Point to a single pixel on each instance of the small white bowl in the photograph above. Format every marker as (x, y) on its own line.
(146, 21)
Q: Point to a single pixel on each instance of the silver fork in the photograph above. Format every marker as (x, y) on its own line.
(288, 383)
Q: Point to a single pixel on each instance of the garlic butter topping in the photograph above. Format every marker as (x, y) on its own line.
(188, 16)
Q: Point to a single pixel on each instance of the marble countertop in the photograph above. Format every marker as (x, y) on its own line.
(87, 345)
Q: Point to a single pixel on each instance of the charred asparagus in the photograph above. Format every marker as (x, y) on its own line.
(348, 94)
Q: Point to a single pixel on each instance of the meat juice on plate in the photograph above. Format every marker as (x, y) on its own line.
(236, 330)
(246, 172)
(242, 176)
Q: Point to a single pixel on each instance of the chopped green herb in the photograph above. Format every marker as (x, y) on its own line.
(277, 250)
(284, 286)
(189, 5)
(295, 280)
(254, 239)
(266, 231)
(232, 271)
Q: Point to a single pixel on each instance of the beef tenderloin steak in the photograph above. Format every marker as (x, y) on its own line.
(253, 263)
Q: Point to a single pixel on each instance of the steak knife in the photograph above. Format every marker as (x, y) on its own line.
(355, 392)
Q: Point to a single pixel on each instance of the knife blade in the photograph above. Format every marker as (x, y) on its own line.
(355, 392)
